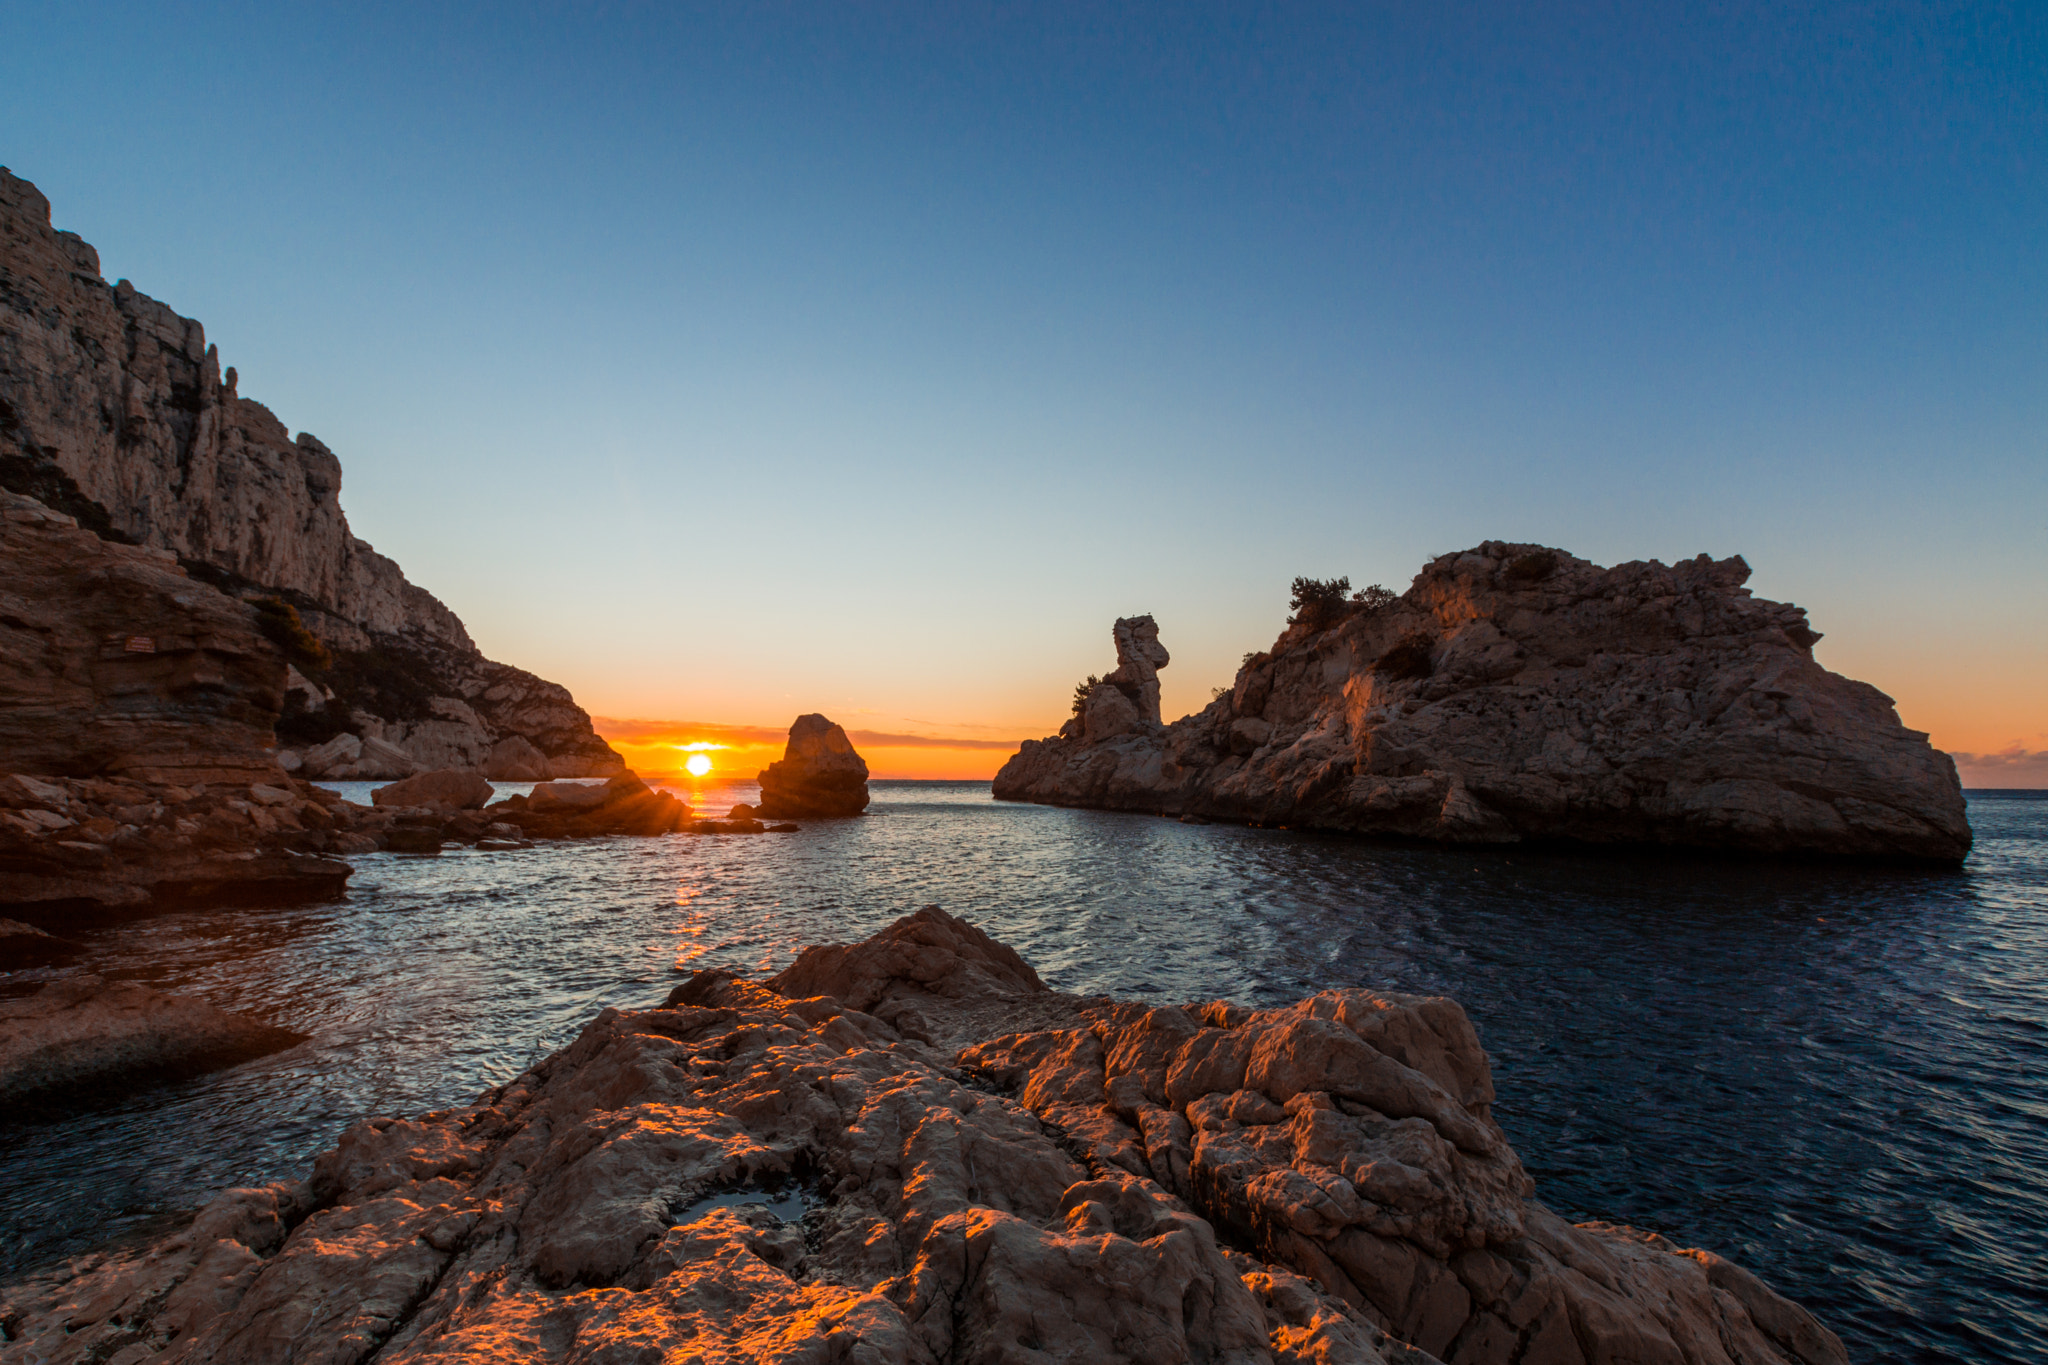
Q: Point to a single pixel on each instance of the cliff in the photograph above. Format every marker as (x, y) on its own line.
(1515, 692)
(115, 411)
(909, 1151)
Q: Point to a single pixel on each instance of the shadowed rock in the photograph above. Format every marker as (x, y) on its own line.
(819, 774)
(970, 1168)
(1515, 692)
(87, 1039)
(447, 790)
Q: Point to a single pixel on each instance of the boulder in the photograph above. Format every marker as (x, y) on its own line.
(576, 810)
(514, 759)
(909, 1151)
(1514, 693)
(819, 774)
(566, 796)
(444, 791)
(87, 1038)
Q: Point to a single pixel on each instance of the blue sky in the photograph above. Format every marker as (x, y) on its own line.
(729, 362)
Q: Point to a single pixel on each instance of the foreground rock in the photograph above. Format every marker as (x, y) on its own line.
(72, 847)
(115, 411)
(909, 1150)
(87, 1038)
(819, 774)
(1515, 692)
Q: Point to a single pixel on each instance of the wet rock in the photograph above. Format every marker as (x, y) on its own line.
(1080, 1180)
(819, 774)
(24, 945)
(446, 791)
(1515, 692)
(85, 1038)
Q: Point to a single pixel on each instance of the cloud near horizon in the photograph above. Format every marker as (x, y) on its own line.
(653, 732)
(2012, 766)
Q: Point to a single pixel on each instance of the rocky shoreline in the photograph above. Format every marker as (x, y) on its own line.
(1517, 693)
(910, 1150)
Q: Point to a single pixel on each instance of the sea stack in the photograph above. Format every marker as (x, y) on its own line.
(819, 774)
(1516, 692)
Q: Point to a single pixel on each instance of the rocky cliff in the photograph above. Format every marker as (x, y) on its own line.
(1516, 692)
(115, 410)
(909, 1151)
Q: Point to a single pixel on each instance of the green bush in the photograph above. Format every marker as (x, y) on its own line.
(279, 620)
(1317, 601)
(1082, 689)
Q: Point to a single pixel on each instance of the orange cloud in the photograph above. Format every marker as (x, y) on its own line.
(2012, 766)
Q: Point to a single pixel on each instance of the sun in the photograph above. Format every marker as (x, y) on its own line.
(697, 764)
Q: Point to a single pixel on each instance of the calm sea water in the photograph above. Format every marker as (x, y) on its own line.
(1837, 1076)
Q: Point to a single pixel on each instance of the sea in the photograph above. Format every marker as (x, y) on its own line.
(1835, 1075)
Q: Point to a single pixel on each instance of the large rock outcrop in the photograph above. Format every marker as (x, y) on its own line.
(115, 410)
(910, 1151)
(819, 774)
(113, 661)
(1515, 692)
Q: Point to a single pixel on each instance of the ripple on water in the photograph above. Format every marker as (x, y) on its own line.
(1834, 1075)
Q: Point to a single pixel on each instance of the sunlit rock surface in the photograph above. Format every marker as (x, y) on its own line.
(909, 1150)
(1515, 692)
(115, 410)
(819, 774)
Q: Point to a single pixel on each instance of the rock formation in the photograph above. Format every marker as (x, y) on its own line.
(1515, 692)
(71, 847)
(84, 1037)
(447, 790)
(115, 411)
(113, 661)
(911, 1151)
(819, 774)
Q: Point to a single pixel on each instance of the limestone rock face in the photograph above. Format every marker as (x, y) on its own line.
(972, 1168)
(1515, 692)
(113, 661)
(115, 410)
(85, 1035)
(819, 774)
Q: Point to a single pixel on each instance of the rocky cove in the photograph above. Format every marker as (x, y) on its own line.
(908, 1148)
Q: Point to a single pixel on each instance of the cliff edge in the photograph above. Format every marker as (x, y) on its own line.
(114, 410)
(1516, 692)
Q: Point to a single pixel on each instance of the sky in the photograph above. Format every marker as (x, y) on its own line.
(730, 362)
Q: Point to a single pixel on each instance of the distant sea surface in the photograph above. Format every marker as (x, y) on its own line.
(1837, 1076)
